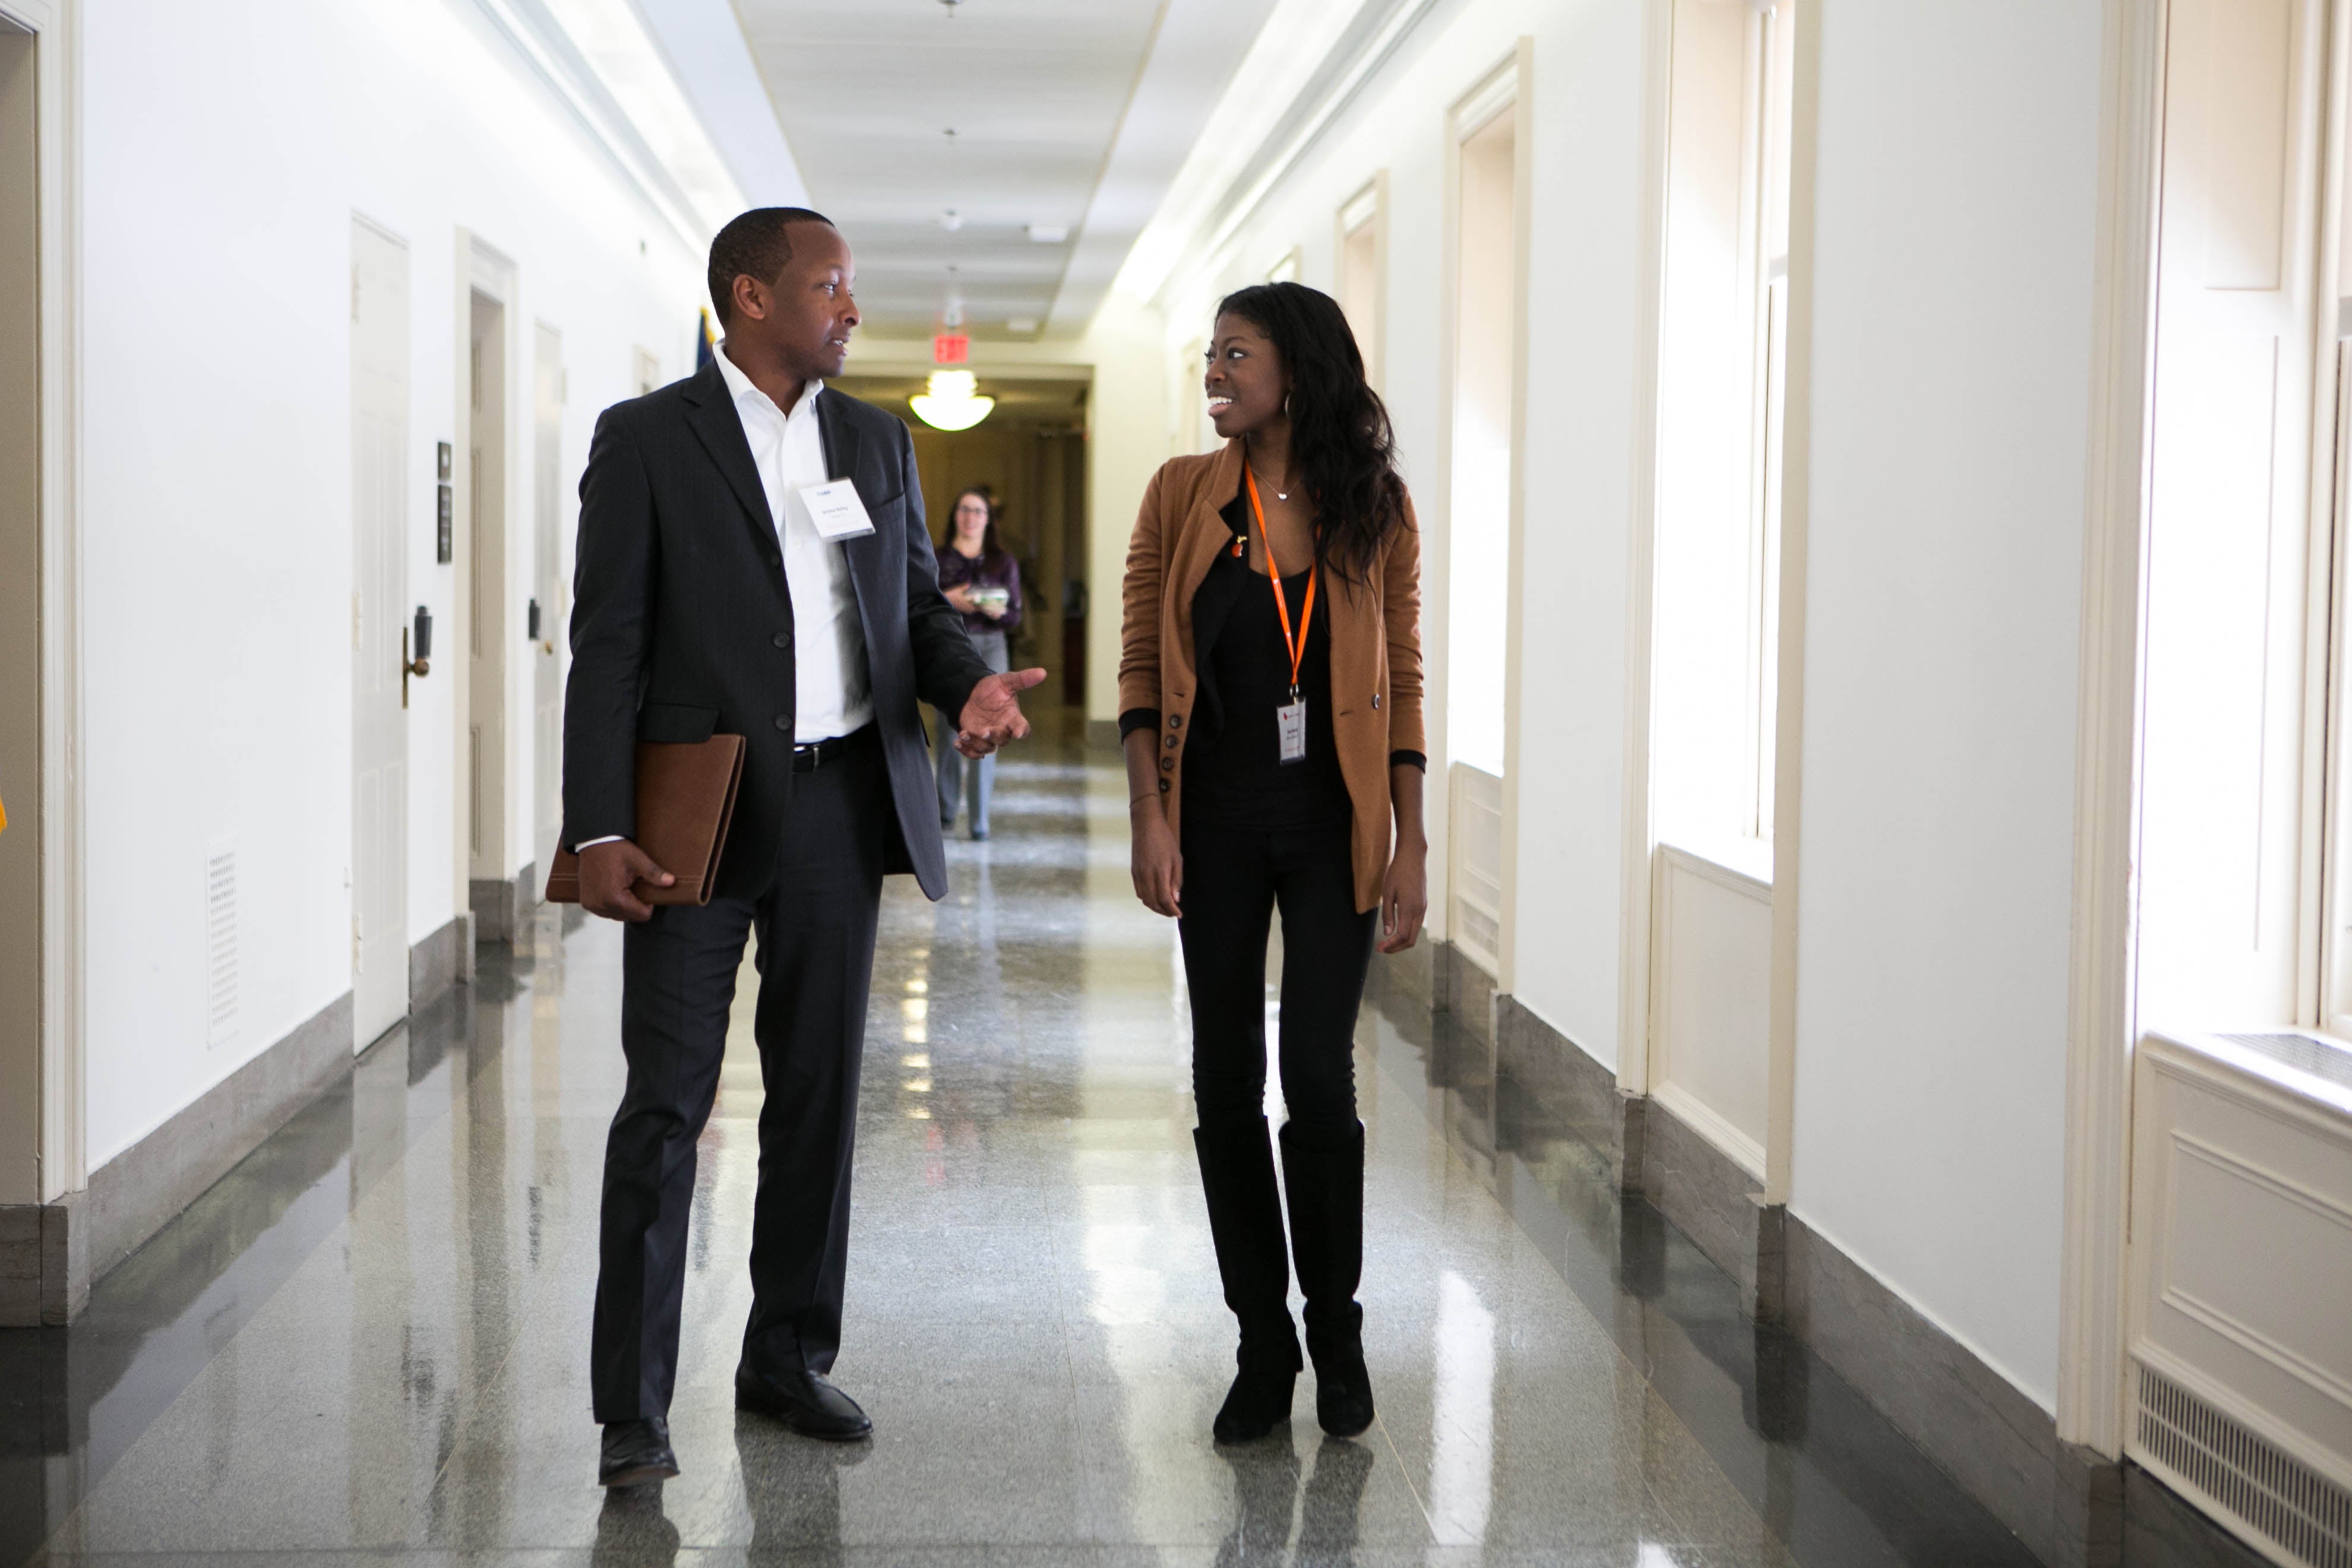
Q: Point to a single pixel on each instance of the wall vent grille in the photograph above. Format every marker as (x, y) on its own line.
(220, 944)
(2264, 1489)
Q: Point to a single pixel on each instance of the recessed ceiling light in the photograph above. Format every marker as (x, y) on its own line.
(1049, 233)
(1022, 325)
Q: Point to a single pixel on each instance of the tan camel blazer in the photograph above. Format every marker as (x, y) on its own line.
(1375, 646)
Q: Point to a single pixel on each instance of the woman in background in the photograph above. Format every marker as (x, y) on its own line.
(981, 578)
(1269, 689)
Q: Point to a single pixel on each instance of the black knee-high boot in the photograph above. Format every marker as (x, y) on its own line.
(1324, 1170)
(1246, 1222)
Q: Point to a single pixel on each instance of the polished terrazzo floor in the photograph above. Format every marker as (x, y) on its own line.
(368, 1342)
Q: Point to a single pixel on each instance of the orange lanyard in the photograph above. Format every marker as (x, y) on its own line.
(1295, 646)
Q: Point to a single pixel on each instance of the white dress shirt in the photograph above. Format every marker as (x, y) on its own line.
(834, 694)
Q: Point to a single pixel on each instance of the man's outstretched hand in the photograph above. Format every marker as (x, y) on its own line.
(991, 715)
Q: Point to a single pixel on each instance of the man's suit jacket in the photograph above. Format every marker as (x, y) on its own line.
(682, 625)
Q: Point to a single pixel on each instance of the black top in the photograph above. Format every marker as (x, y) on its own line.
(1215, 601)
(1234, 772)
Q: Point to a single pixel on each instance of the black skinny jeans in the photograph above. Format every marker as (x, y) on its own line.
(1235, 878)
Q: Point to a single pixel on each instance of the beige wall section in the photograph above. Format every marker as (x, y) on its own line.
(2100, 983)
(20, 627)
(1133, 432)
(1037, 474)
(1789, 708)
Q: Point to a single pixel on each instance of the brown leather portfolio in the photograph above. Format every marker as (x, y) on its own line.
(686, 798)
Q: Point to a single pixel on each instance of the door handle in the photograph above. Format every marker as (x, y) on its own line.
(420, 666)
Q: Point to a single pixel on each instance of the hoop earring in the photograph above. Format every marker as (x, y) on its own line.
(1285, 405)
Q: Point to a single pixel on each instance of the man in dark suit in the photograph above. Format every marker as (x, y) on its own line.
(709, 600)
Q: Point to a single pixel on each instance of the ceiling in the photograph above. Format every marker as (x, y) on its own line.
(1070, 117)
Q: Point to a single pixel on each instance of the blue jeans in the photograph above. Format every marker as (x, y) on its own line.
(952, 764)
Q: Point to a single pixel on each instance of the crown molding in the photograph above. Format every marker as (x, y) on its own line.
(540, 46)
(1372, 39)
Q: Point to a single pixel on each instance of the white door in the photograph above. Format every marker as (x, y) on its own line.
(379, 613)
(487, 763)
(2224, 833)
(547, 664)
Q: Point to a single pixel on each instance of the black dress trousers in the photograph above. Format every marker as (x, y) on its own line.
(815, 926)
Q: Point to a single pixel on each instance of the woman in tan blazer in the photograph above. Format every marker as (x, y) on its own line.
(1270, 705)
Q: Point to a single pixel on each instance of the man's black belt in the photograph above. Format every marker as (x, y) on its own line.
(815, 754)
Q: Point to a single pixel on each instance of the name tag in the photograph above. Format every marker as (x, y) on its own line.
(1290, 719)
(837, 510)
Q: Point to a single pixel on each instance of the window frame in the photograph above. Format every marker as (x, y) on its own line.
(1367, 209)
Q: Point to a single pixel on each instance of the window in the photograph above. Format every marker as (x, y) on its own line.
(2242, 858)
(1363, 269)
(1487, 337)
(1481, 460)
(1714, 633)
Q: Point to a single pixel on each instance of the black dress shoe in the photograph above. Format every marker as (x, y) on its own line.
(635, 1451)
(804, 1402)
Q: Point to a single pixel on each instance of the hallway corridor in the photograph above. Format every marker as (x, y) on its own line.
(369, 1342)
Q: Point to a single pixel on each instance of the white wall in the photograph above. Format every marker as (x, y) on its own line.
(226, 147)
(1950, 385)
(1585, 153)
(1951, 362)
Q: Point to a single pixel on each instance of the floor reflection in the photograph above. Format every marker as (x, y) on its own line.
(368, 1340)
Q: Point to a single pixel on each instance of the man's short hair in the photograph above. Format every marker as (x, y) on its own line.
(758, 244)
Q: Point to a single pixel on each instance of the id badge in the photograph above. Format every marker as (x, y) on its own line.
(836, 509)
(1290, 719)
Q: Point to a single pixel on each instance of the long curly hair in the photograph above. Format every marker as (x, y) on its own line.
(1340, 432)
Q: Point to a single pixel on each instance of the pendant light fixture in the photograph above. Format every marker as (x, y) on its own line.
(952, 401)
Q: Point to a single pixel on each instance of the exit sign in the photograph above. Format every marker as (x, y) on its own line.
(950, 348)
